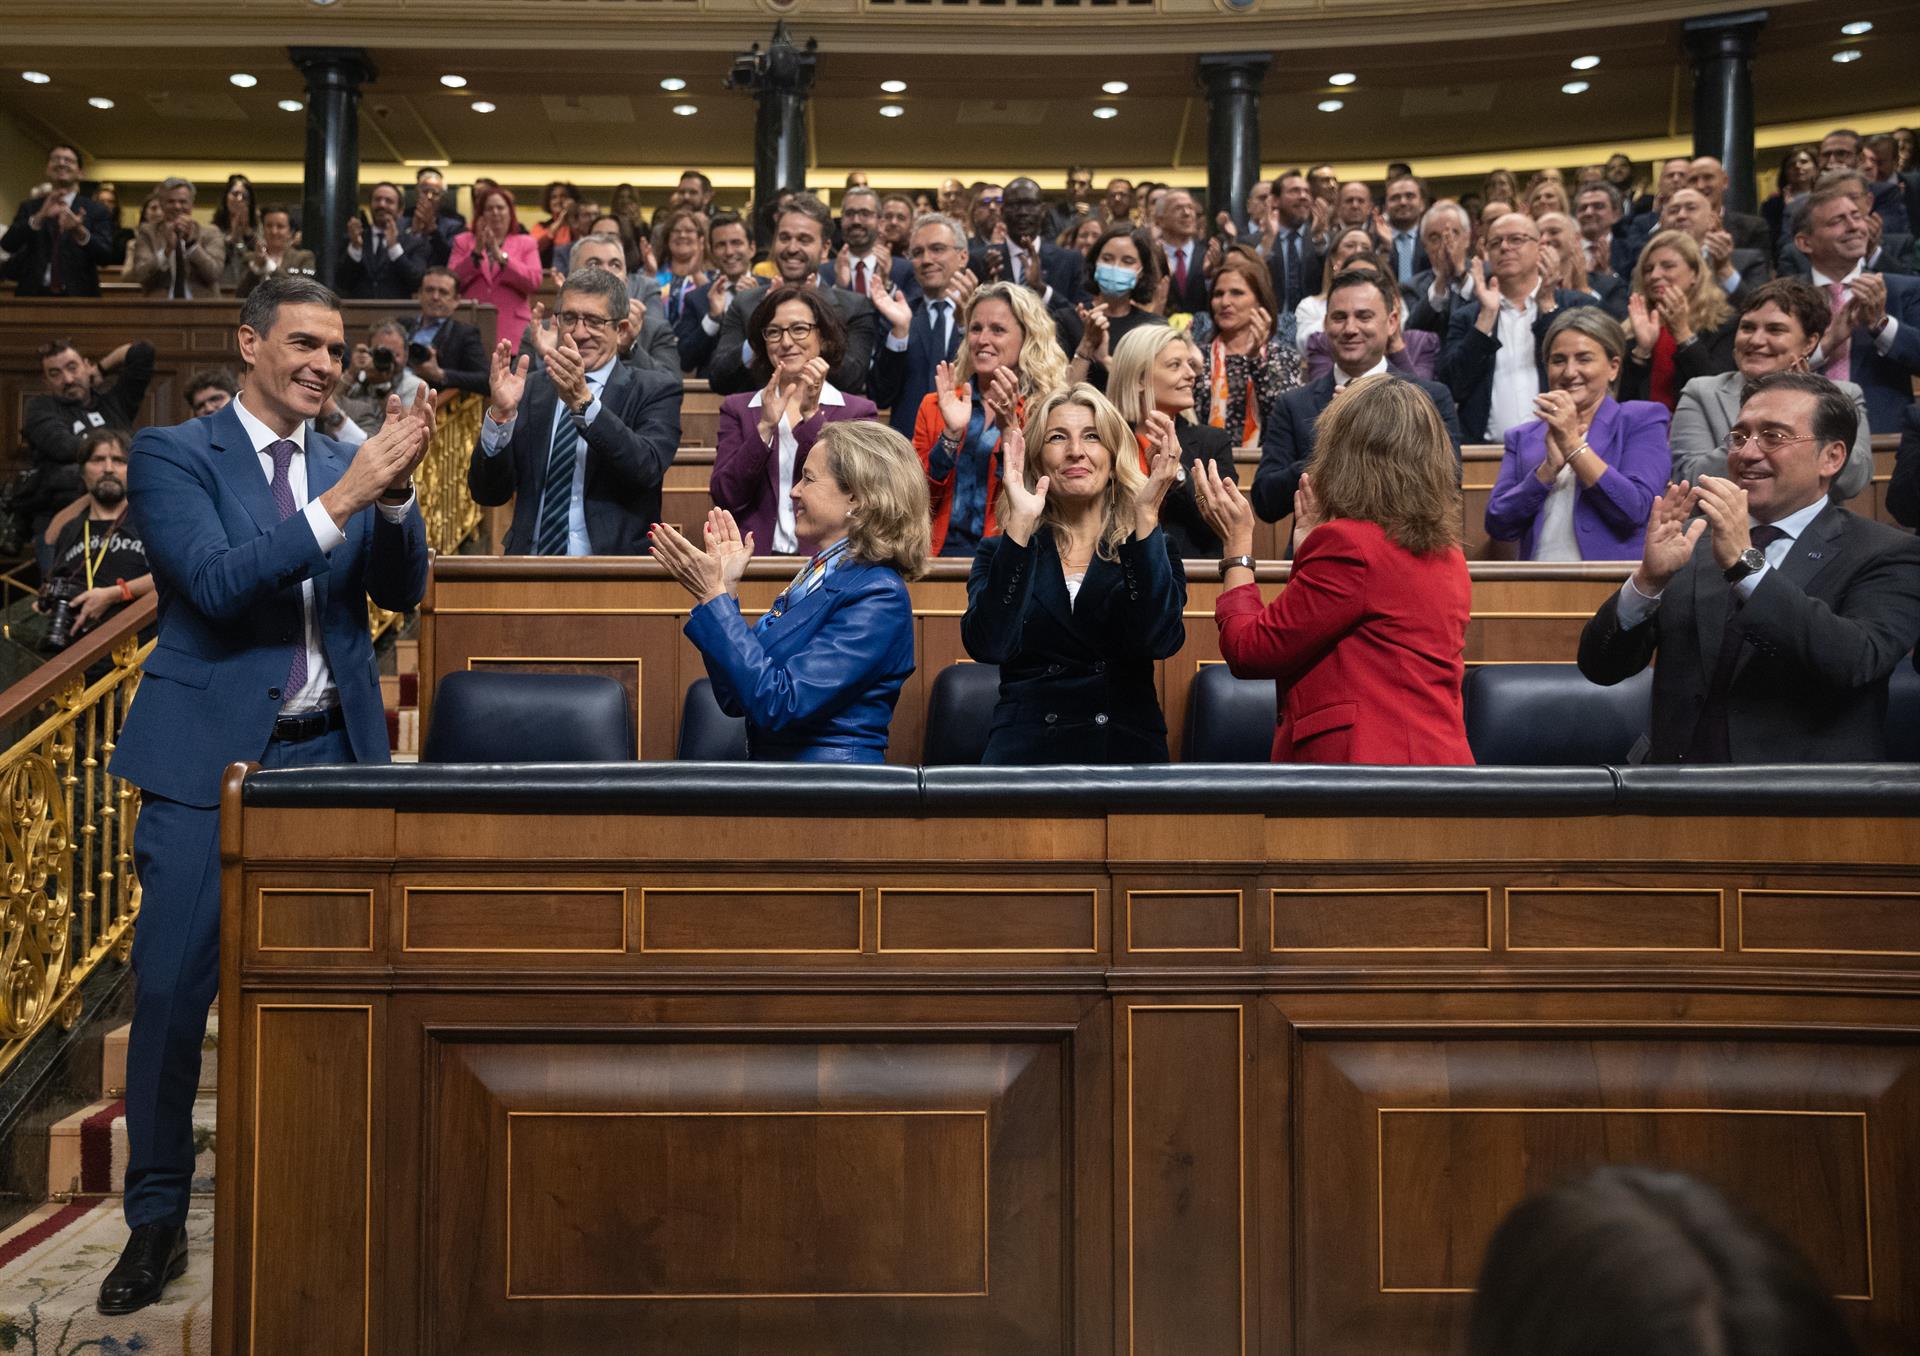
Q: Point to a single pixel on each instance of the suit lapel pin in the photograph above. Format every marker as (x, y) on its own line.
(1813, 555)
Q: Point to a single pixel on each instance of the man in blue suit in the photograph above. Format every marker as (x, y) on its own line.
(1874, 340)
(1363, 321)
(267, 540)
(702, 309)
(925, 333)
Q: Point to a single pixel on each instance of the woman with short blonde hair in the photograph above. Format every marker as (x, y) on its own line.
(1367, 639)
(1155, 383)
(888, 526)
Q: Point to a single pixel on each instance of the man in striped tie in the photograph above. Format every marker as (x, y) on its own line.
(582, 445)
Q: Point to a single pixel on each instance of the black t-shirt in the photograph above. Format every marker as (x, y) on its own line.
(115, 548)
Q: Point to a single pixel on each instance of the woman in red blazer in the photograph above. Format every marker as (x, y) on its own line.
(1367, 636)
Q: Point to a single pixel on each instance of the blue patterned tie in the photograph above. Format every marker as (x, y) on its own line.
(550, 539)
(282, 454)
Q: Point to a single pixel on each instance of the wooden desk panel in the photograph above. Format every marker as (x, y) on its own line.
(901, 1082)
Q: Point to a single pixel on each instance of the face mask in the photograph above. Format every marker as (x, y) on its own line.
(1114, 281)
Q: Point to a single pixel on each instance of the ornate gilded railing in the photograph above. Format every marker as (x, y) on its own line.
(70, 891)
(441, 482)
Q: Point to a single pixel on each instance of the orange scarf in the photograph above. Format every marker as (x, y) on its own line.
(1217, 411)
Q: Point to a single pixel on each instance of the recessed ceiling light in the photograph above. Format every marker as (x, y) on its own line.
(1858, 28)
(1584, 63)
(243, 80)
(481, 106)
(1116, 87)
(454, 81)
(1342, 78)
(673, 84)
(1851, 54)
(1575, 87)
(98, 102)
(35, 77)
(1106, 111)
(891, 110)
(291, 105)
(1331, 105)
(894, 86)
(686, 110)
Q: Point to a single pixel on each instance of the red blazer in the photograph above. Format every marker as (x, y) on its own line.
(1366, 642)
(928, 425)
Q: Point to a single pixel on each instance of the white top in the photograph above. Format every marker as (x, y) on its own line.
(1340, 377)
(786, 536)
(1516, 376)
(1074, 581)
(1555, 539)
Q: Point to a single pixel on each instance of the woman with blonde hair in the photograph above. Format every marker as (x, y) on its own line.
(1081, 593)
(1154, 383)
(1366, 640)
(1009, 355)
(817, 676)
(1682, 323)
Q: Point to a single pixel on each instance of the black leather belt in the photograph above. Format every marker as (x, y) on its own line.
(294, 729)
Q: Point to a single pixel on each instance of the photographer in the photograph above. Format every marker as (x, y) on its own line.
(99, 563)
(378, 370)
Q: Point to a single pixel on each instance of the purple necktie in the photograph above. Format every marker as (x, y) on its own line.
(282, 454)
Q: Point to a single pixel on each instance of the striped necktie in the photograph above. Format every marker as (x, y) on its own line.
(556, 497)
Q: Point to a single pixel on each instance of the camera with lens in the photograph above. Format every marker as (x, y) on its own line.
(56, 600)
(382, 360)
(417, 354)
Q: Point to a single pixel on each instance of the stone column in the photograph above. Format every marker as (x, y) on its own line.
(1232, 81)
(1722, 49)
(334, 76)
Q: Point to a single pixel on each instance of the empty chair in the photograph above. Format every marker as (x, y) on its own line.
(529, 718)
(960, 714)
(1546, 715)
(1229, 719)
(1903, 715)
(708, 734)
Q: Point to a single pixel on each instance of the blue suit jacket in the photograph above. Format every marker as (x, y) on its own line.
(1286, 439)
(901, 381)
(228, 572)
(1887, 378)
(1609, 516)
(817, 684)
(1466, 359)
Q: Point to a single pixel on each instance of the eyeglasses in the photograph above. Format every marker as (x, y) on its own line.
(1770, 439)
(800, 331)
(569, 319)
(1500, 242)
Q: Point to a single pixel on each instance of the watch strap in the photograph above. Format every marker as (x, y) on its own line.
(1229, 562)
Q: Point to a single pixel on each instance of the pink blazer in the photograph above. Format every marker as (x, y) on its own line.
(505, 288)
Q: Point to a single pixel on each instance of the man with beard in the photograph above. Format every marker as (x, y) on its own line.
(925, 331)
(1027, 256)
(862, 255)
(454, 354)
(799, 248)
(76, 404)
(98, 551)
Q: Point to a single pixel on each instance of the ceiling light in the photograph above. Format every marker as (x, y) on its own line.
(1584, 63)
(1116, 87)
(1575, 87)
(673, 84)
(1106, 111)
(1851, 54)
(481, 106)
(35, 77)
(1331, 105)
(1342, 78)
(891, 110)
(243, 80)
(99, 102)
(894, 86)
(454, 81)
(291, 105)
(1859, 28)
(686, 110)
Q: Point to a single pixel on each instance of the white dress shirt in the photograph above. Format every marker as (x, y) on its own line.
(319, 692)
(786, 536)
(1555, 539)
(1516, 376)
(387, 242)
(1635, 606)
(494, 437)
(1340, 377)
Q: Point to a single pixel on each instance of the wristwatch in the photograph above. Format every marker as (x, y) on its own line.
(1750, 561)
(1229, 562)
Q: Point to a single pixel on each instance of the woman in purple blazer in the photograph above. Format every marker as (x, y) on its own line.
(1578, 482)
(765, 435)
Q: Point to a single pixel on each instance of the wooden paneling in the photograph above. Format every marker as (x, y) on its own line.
(1629, 919)
(315, 919)
(1384, 918)
(988, 919)
(514, 919)
(1193, 920)
(1831, 922)
(756, 920)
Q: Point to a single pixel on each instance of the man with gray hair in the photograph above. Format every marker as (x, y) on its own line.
(1445, 237)
(177, 257)
(650, 342)
(378, 369)
(580, 446)
(925, 332)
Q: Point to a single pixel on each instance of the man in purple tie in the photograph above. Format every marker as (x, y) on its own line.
(267, 539)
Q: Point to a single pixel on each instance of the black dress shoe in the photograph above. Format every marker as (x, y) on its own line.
(154, 1255)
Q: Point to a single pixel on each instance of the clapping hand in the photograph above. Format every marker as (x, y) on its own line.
(1486, 290)
(773, 404)
(1024, 506)
(806, 390)
(507, 380)
(569, 372)
(1868, 304)
(843, 267)
(1002, 396)
(708, 574)
(1262, 329)
(891, 305)
(356, 233)
(1676, 313)
(1724, 505)
(1093, 340)
(1646, 325)
(1562, 418)
(1306, 510)
(1225, 509)
(1670, 541)
(963, 284)
(956, 404)
(383, 464)
(1163, 469)
(725, 544)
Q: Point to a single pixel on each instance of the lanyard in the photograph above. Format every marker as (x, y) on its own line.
(86, 547)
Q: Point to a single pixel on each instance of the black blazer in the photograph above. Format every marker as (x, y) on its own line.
(463, 356)
(32, 250)
(1309, 272)
(1710, 354)
(727, 374)
(1065, 270)
(1819, 637)
(901, 380)
(1467, 359)
(1195, 297)
(376, 277)
(628, 450)
(1286, 441)
(1076, 681)
(1188, 535)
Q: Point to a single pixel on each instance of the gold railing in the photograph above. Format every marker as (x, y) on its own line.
(70, 892)
(441, 483)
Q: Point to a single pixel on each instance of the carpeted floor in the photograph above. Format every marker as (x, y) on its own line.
(51, 1266)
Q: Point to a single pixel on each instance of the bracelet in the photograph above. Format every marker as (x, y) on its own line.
(126, 594)
(1584, 447)
(1232, 562)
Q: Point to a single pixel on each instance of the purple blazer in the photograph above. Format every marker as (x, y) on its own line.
(1416, 359)
(1609, 516)
(746, 471)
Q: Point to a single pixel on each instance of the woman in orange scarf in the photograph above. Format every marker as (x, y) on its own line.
(1248, 363)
